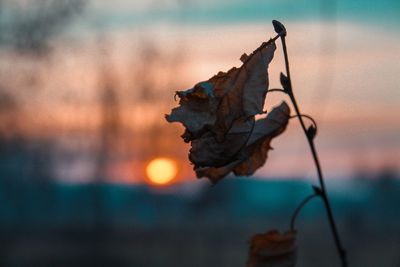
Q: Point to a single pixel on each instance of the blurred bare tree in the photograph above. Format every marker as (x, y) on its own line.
(28, 26)
(8, 114)
(158, 70)
(109, 124)
(146, 67)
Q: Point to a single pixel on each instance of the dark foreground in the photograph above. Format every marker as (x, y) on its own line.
(60, 225)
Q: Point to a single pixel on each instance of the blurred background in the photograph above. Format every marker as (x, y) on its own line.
(92, 175)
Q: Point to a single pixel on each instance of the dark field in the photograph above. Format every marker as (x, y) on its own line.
(109, 225)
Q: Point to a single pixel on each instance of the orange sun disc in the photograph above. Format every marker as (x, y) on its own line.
(161, 171)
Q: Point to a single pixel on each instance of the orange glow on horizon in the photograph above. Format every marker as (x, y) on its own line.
(161, 171)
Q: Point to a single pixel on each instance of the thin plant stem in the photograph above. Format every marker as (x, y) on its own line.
(276, 90)
(299, 208)
(310, 139)
(308, 117)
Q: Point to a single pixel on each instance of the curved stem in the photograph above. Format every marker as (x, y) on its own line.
(308, 117)
(276, 90)
(299, 208)
(339, 247)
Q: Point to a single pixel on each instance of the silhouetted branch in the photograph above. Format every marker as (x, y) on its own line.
(310, 134)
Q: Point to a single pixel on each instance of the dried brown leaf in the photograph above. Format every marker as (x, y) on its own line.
(273, 249)
(243, 151)
(208, 151)
(247, 88)
(217, 103)
(197, 110)
(259, 143)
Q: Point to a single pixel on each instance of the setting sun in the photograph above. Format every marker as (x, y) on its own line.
(161, 171)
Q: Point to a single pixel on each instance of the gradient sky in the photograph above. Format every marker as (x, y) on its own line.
(344, 60)
(345, 64)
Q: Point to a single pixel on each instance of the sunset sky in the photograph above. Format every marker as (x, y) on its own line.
(344, 61)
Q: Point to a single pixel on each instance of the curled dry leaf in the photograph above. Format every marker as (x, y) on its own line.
(244, 150)
(219, 118)
(273, 249)
(214, 105)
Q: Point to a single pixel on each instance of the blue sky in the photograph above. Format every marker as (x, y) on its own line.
(385, 13)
